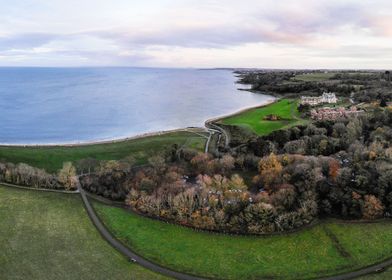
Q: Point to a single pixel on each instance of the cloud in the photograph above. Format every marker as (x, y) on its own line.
(380, 25)
(203, 31)
(25, 40)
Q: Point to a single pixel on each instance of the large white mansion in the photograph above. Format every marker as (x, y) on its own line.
(327, 97)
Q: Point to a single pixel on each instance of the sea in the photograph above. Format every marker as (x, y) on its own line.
(79, 105)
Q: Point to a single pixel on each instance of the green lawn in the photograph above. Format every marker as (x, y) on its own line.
(322, 250)
(356, 239)
(49, 236)
(365, 242)
(314, 77)
(253, 118)
(52, 158)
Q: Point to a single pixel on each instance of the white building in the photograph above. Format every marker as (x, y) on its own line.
(327, 97)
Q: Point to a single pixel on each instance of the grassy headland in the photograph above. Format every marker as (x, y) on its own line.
(253, 119)
(51, 158)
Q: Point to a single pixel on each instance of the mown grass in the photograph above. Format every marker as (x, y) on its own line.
(305, 254)
(51, 158)
(365, 242)
(315, 77)
(252, 119)
(49, 236)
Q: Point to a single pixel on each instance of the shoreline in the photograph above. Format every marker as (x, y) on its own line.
(108, 141)
(216, 119)
(143, 135)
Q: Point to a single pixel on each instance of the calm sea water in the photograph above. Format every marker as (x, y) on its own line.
(70, 105)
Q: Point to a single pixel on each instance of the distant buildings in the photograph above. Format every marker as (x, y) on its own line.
(332, 114)
(327, 97)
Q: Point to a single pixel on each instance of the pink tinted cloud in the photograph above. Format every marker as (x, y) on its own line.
(381, 25)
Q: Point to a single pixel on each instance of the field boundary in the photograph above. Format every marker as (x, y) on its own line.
(37, 189)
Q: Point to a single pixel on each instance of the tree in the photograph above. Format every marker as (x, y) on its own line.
(67, 176)
(227, 163)
(339, 129)
(269, 168)
(158, 163)
(147, 185)
(354, 131)
(284, 197)
(295, 147)
(334, 167)
(200, 162)
(86, 165)
(373, 208)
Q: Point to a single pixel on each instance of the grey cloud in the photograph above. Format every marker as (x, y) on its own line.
(212, 37)
(325, 19)
(26, 41)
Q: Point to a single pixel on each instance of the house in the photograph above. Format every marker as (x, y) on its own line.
(327, 97)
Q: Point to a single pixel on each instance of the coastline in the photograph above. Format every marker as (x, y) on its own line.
(143, 135)
(108, 141)
(216, 119)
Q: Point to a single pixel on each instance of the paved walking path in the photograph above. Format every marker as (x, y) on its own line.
(125, 250)
(361, 272)
(171, 273)
(178, 275)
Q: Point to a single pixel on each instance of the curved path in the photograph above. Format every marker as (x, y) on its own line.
(178, 275)
(377, 268)
(221, 130)
(175, 274)
(125, 250)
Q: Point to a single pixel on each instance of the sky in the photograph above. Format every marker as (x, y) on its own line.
(197, 33)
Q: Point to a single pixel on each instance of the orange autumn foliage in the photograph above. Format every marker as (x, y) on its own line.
(334, 167)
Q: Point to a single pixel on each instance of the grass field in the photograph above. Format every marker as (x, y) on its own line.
(49, 236)
(325, 249)
(314, 77)
(253, 118)
(52, 158)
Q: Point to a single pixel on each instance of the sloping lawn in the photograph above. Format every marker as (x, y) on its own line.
(49, 236)
(286, 109)
(365, 242)
(305, 254)
(52, 158)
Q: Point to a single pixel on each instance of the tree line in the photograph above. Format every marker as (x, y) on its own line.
(272, 183)
(28, 176)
